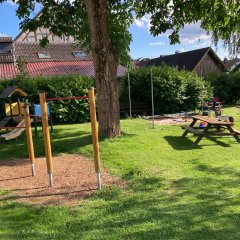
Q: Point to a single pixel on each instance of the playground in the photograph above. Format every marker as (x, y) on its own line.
(175, 190)
(41, 113)
(156, 185)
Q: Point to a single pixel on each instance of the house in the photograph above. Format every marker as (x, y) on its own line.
(233, 64)
(61, 56)
(202, 61)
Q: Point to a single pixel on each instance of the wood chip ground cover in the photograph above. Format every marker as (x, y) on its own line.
(74, 179)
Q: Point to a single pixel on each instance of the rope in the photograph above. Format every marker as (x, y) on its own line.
(66, 98)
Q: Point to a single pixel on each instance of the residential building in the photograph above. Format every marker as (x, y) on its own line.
(202, 61)
(62, 56)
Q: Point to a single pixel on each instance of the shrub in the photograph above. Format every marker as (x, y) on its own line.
(226, 86)
(174, 90)
(72, 111)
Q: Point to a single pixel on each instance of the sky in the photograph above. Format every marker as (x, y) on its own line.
(144, 45)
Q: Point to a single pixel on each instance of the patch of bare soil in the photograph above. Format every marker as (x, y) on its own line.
(74, 179)
(172, 121)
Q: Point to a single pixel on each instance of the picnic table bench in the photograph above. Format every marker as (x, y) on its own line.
(136, 107)
(211, 122)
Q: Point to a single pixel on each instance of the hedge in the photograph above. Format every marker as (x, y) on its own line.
(74, 111)
(226, 86)
(174, 90)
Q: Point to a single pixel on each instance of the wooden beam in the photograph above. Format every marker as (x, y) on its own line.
(95, 140)
(46, 137)
(29, 138)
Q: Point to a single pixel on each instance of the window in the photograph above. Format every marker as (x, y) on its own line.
(79, 54)
(44, 55)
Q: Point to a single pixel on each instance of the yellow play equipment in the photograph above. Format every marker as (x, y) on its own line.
(14, 99)
(14, 109)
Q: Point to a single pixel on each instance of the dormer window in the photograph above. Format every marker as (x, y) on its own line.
(44, 55)
(79, 54)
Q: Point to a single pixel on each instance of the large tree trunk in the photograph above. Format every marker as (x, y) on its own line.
(106, 62)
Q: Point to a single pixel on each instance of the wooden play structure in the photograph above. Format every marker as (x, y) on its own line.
(46, 133)
(13, 99)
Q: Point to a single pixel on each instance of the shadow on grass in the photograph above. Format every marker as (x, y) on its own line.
(181, 143)
(186, 208)
(218, 142)
(61, 141)
(184, 143)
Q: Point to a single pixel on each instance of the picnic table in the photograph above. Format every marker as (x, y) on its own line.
(212, 123)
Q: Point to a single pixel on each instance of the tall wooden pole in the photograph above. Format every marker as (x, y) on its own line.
(46, 137)
(94, 127)
(29, 137)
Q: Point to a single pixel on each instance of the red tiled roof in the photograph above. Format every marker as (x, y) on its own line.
(85, 68)
(8, 71)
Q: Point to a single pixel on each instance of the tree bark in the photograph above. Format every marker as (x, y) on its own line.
(106, 61)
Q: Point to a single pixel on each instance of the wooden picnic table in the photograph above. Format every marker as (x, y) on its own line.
(211, 122)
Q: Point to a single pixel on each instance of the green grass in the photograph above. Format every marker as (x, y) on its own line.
(177, 190)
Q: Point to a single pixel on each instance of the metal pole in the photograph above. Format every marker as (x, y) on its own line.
(35, 120)
(46, 137)
(202, 93)
(50, 115)
(94, 127)
(129, 97)
(152, 99)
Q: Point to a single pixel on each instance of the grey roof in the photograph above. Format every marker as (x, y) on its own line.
(57, 51)
(7, 92)
(6, 58)
(186, 60)
(232, 63)
(6, 50)
(6, 39)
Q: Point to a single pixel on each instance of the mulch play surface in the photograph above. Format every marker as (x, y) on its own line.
(172, 121)
(74, 179)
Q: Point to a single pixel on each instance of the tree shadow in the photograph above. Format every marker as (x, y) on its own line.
(63, 140)
(181, 143)
(193, 207)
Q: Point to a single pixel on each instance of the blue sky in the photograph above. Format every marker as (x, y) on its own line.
(143, 44)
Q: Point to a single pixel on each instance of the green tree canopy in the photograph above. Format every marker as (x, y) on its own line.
(220, 17)
(102, 27)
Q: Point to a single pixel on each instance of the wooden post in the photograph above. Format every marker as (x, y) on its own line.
(29, 137)
(94, 127)
(46, 137)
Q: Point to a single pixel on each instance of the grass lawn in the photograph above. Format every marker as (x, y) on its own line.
(177, 190)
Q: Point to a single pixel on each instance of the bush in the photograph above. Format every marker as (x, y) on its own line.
(174, 90)
(73, 111)
(226, 86)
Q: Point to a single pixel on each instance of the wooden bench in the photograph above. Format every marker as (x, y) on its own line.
(211, 122)
(236, 131)
(192, 130)
(137, 108)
